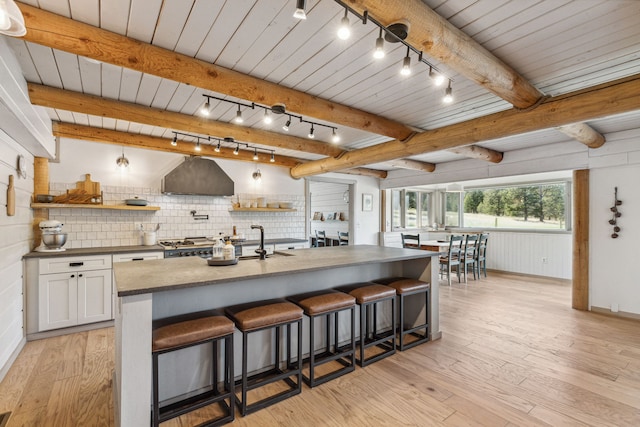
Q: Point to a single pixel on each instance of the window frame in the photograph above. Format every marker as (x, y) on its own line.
(421, 193)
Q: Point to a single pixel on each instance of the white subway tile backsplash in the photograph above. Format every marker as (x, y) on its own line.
(104, 227)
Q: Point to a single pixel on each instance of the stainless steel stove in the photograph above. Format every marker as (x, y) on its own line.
(189, 246)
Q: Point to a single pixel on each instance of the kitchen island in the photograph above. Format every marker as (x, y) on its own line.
(149, 290)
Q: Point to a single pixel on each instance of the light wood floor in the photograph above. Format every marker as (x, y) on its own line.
(512, 354)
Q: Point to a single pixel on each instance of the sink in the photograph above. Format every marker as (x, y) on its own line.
(276, 254)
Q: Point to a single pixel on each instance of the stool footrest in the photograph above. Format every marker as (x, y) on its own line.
(263, 378)
(196, 402)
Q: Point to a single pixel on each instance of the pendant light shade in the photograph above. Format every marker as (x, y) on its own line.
(121, 161)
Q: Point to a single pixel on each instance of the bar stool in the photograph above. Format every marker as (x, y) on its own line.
(406, 287)
(324, 304)
(367, 296)
(179, 332)
(260, 316)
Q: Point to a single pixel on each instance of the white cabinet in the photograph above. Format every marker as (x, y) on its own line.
(74, 291)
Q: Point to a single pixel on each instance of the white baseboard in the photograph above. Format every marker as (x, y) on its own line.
(14, 355)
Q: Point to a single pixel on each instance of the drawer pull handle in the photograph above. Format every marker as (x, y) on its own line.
(73, 275)
(79, 275)
(137, 259)
(76, 264)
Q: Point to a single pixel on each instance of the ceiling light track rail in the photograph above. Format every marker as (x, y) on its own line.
(227, 141)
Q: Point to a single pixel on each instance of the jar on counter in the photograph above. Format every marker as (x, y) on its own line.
(229, 251)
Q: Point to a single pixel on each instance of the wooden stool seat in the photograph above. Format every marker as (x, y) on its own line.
(365, 293)
(315, 303)
(260, 316)
(190, 332)
(368, 295)
(180, 332)
(325, 303)
(405, 287)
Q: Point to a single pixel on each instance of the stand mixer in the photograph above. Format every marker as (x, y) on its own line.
(52, 236)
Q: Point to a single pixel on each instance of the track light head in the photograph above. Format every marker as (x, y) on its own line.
(448, 94)
(286, 125)
(311, 135)
(174, 141)
(206, 109)
(198, 148)
(217, 149)
(379, 52)
(255, 154)
(344, 32)
(300, 13)
(335, 138)
(238, 118)
(273, 157)
(406, 65)
(267, 117)
(237, 150)
(437, 78)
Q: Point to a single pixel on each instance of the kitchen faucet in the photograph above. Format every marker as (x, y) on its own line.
(260, 250)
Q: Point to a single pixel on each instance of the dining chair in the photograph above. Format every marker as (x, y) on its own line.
(468, 256)
(411, 241)
(452, 258)
(481, 255)
(343, 238)
(321, 238)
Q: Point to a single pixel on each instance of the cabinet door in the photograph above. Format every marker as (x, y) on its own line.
(94, 296)
(58, 301)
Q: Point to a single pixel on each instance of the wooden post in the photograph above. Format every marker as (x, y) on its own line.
(580, 290)
(40, 186)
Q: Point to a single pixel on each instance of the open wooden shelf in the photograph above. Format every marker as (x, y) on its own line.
(92, 206)
(261, 210)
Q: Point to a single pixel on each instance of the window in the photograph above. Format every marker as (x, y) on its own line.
(543, 206)
(409, 209)
(452, 209)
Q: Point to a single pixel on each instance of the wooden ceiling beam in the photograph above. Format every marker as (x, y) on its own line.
(58, 32)
(108, 136)
(583, 133)
(47, 96)
(413, 165)
(374, 173)
(611, 98)
(436, 37)
(480, 153)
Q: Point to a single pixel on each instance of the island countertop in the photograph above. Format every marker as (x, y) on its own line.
(175, 273)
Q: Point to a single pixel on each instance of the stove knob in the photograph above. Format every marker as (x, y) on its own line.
(180, 253)
(193, 253)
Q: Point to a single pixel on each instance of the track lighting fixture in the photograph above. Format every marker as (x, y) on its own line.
(238, 118)
(217, 149)
(206, 109)
(379, 52)
(335, 138)
(273, 157)
(255, 154)
(448, 94)
(286, 125)
(122, 161)
(437, 78)
(174, 141)
(300, 13)
(237, 150)
(311, 132)
(406, 64)
(198, 148)
(267, 117)
(344, 32)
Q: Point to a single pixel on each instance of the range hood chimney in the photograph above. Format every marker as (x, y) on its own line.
(198, 176)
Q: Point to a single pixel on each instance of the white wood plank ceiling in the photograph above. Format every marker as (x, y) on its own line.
(558, 45)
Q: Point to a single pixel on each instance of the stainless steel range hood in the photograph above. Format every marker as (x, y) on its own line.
(198, 176)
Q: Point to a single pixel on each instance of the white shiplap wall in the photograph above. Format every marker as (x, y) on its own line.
(16, 235)
(328, 197)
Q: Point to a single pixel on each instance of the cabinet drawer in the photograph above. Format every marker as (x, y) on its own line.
(77, 263)
(137, 256)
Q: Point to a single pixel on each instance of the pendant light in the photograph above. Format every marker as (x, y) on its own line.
(122, 161)
(344, 32)
(379, 52)
(257, 176)
(300, 13)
